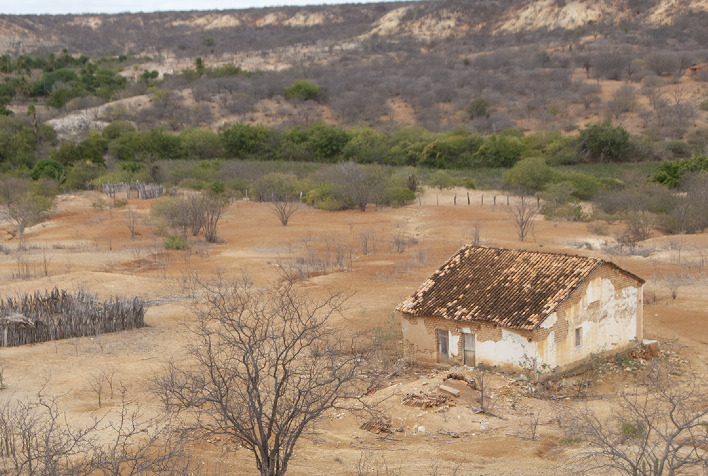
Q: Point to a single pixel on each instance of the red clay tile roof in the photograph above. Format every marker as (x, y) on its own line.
(513, 288)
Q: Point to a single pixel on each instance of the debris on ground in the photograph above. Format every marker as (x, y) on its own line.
(452, 391)
(378, 425)
(424, 400)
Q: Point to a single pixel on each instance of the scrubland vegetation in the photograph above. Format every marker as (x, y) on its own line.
(360, 105)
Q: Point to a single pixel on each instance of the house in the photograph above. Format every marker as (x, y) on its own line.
(522, 308)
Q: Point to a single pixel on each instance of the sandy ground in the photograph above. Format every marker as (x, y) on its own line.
(81, 247)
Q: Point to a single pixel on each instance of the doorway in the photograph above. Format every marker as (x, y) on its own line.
(468, 341)
(443, 345)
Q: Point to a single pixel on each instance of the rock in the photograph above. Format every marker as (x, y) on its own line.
(450, 390)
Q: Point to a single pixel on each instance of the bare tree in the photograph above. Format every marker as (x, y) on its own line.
(639, 227)
(523, 212)
(284, 209)
(213, 207)
(481, 382)
(96, 382)
(367, 238)
(589, 94)
(266, 366)
(37, 439)
(674, 282)
(476, 232)
(131, 221)
(360, 183)
(139, 445)
(193, 213)
(657, 428)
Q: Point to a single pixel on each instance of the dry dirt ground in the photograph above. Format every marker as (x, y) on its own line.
(81, 247)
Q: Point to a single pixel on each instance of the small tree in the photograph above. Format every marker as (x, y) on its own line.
(266, 366)
(213, 207)
(523, 212)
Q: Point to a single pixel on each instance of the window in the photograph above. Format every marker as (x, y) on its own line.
(578, 336)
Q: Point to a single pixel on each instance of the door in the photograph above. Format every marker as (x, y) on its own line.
(443, 346)
(469, 344)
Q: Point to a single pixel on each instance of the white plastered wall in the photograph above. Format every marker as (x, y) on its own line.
(512, 349)
(606, 317)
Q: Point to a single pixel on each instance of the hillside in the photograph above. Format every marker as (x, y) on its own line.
(548, 65)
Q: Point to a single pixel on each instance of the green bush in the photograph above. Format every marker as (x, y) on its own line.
(156, 144)
(478, 107)
(600, 142)
(240, 140)
(530, 175)
(500, 150)
(198, 143)
(81, 174)
(564, 212)
(303, 89)
(328, 142)
(441, 179)
(48, 168)
(585, 186)
(671, 173)
(122, 175)
(217, 186)
(328, 196)
(453, 150)
(395, 194)
(176, 242)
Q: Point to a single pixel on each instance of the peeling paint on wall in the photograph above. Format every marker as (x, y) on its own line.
(607, 309)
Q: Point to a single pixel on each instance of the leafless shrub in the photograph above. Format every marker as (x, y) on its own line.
(401, 241)
(315, 256)
(482, 379)
(37, 439)
(523, 212)
(284, 209)
(368, 464)
(639, 225)
(476, 232)
(96, 382)
(214, 206)
(650, 296)
(657, 427)
(674, 282)
(533, 422)
(367, 239)
(131, 221)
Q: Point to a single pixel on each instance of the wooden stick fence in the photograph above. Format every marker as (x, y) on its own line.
(143, 190)
(59, 314)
